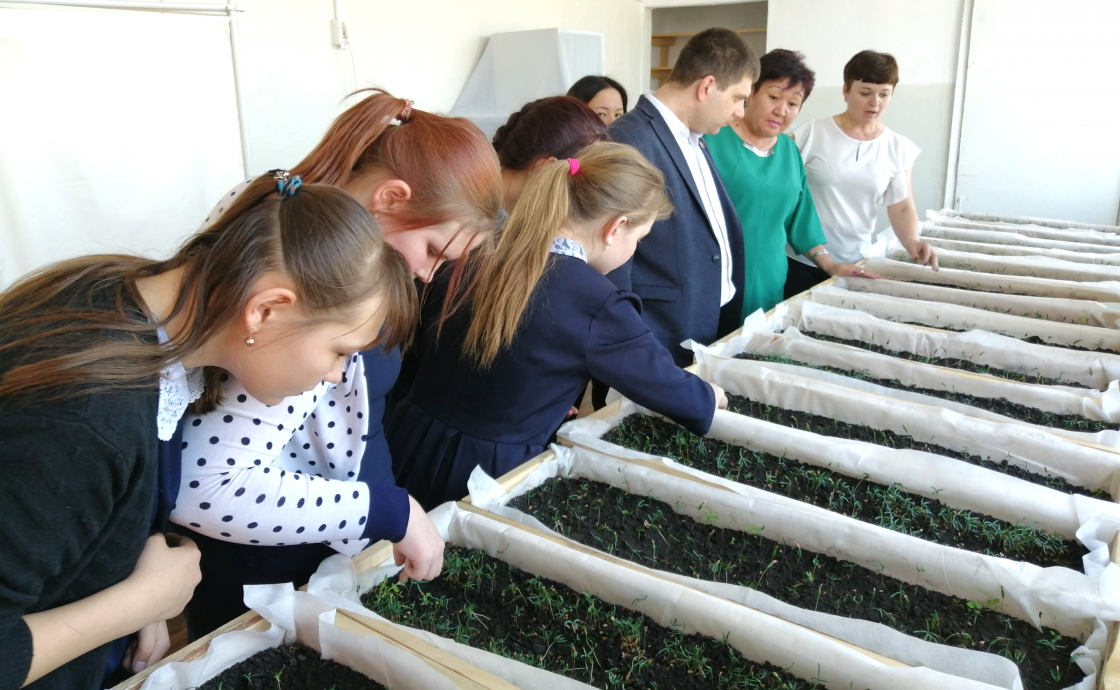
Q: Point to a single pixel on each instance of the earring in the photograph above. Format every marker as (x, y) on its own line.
(249, 341)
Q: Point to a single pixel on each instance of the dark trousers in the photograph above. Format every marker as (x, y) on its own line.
(228, 567)
(800, 277)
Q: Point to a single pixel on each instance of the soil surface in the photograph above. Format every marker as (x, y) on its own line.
(646, 531)
(486, 603)
(1003, 406)
(830, 427)
(886, 506)
(962, 364)
(289, 668)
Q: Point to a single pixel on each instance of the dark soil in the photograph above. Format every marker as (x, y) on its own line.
(1034, 339)
(831, 427)
(1003, 406)
(486, 603)
(289, 668)
(647, 531)
(886, 506)
(953, 363)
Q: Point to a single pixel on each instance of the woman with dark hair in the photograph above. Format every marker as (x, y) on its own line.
(765, 179)
(543, 130)
(603, 95)
(854, 164)
(100, 355)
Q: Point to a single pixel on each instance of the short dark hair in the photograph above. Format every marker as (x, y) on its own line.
(871, 68)
(781, 64)
(588, 87)
(557, 126)
(719, 53)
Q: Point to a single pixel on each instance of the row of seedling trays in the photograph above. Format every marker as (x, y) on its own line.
(912, 488)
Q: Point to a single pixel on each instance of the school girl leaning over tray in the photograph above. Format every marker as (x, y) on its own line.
(538, 319)
(100, 355)
(269, 491)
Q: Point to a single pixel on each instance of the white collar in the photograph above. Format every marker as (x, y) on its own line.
(177, 389)
(677, 126)
(568, 247)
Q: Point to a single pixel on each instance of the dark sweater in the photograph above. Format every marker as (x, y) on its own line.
(76, 505)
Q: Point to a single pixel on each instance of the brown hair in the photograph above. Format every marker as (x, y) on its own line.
(321, 238)
(719, 53)
(557, 127)
(871, 68)
(613, 180)
(446, 161)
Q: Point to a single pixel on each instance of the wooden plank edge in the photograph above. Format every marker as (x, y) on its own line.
(196, 649)
(462, 673)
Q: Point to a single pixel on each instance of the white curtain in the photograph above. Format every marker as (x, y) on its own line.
(118, 131)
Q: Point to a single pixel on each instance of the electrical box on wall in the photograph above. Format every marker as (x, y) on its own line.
(340, 36)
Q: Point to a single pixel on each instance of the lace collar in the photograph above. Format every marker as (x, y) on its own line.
(568, 247)
(177, 389)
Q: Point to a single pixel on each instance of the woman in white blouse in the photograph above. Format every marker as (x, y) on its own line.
(855, 163)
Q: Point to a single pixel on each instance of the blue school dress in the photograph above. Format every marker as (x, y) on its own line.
(578, 325)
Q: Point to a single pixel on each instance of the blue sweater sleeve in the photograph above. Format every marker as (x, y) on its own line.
(622, 353)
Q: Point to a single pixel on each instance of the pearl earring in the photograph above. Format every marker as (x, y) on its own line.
(249, 341)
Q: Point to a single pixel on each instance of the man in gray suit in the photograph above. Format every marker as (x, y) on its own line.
(689, 269)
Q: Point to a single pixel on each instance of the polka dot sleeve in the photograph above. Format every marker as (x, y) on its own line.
(242, 483)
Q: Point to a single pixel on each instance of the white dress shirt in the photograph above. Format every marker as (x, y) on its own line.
(704, 177)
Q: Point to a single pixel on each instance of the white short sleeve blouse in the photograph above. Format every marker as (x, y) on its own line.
(849, 179)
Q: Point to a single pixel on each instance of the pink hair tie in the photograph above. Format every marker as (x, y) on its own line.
(573, 166)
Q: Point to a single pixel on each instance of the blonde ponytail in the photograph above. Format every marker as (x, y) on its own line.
(612, 180)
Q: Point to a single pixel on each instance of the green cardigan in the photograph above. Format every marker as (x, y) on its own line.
(775, 206)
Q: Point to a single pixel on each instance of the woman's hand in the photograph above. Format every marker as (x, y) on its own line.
(147, 646)
(923, 253)
(421, 550)
(845, 270)
(165, 575)
(721, 397)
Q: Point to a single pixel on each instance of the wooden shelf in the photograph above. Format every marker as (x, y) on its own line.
(693, 33)
(666, 41)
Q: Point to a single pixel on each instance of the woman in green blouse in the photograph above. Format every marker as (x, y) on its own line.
(765, 177)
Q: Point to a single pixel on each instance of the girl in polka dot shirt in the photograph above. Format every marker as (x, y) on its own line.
(270, 491)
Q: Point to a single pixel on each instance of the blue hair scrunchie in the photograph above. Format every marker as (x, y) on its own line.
(286, 183)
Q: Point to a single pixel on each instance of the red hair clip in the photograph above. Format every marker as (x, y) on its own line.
(573, 166)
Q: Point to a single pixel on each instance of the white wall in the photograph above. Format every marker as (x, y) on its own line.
(923, 36)
(294, 82)
(421, 49)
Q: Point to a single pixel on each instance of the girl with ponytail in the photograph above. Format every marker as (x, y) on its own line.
(100, 355)
(270, 490)
(503, 360)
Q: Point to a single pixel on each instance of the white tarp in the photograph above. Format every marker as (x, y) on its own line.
(1084, 312)
(308, 618)
(960, 318)
(996, 249)
(1034, 266)
(1011, 238)
(1022, 220)
(1095, 370)
(1102, 291)
(119, 143)
(758, 339)
(521, 66)
(1050, 595)
(1039, 451)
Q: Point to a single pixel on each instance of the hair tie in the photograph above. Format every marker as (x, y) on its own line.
(406, 113)
(573, 166)
(286, 183)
